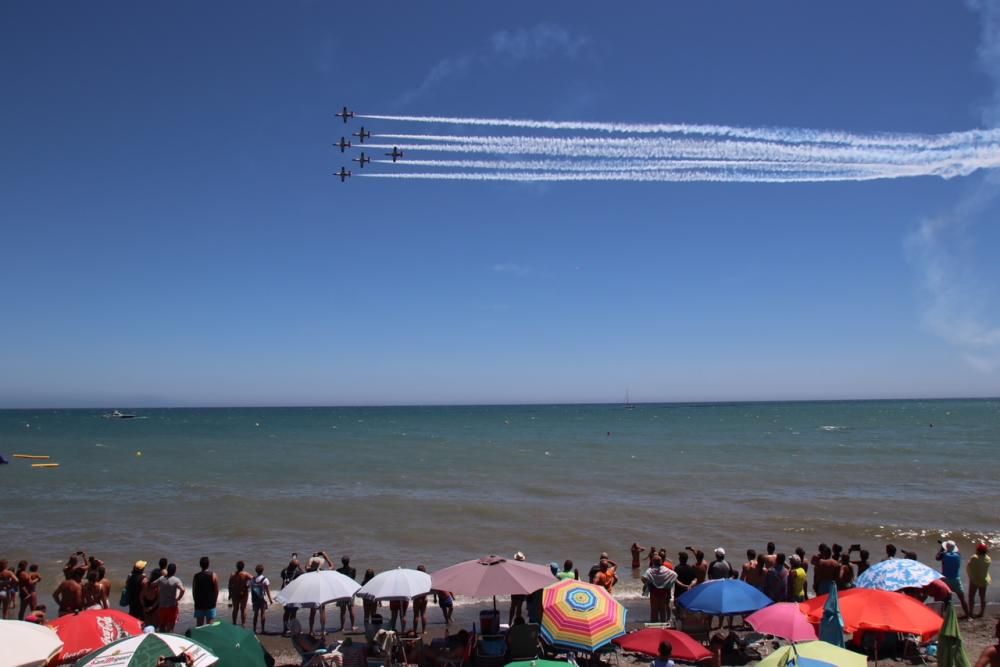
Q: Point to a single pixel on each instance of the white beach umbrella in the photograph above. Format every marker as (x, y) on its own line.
(398, 584)
(313, 589)
(27, 644)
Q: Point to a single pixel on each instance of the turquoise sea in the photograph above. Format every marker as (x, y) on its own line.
(435, 485)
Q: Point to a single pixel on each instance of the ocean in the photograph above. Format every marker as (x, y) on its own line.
(401, 486)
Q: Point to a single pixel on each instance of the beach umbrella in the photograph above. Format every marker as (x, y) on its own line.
(492, 575)
(88, 631)
(724, 597)
(784, 620)
(951, 652)
(871, 609)
(831, 626)
(234, 645)
(27, 644)
(647, 642)
(145, 650)
(810, 654)
(316, 588)
(398, 584)
(897, 573)
(580, 616)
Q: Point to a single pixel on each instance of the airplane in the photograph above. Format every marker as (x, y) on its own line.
(362, 159)
(345, 114)
(343, 144)
(343, 173)
(362, 134)
(395, 154)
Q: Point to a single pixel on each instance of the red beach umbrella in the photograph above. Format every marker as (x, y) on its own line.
(647, 641)
(87, 631)
(872, 609)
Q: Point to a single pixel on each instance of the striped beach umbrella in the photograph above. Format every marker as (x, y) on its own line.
(580, 616)
(146, 650)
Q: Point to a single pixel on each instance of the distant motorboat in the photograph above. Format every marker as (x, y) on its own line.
(119, 415)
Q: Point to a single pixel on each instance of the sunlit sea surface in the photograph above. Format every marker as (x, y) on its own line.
(436, 485)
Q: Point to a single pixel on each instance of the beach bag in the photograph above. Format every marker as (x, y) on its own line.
(123, 600)
(257, 590)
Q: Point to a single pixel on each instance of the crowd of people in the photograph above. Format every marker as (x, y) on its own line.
(152, 595)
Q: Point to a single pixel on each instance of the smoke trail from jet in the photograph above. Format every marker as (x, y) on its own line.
(682, 175)
(784, 135)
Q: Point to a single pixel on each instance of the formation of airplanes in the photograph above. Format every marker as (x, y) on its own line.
(361, 134)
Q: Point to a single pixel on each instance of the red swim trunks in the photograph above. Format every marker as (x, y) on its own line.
(167, 616)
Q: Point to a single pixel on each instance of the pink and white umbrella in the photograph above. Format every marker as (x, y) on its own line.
(785, 620)
(492, 575)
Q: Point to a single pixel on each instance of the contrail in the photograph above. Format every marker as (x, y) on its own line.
(639, 176)
(785, 135)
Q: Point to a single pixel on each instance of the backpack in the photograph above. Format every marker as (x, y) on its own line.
(257, 589)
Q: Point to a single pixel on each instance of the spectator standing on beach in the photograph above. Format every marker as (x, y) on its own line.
(700, 565)
(649, 557)
(28, 590)
(134, 585)
(801, 553)
(205, 591)
(568, 571)
(347, 606)
(636, 551)
(8, 588)
(239, 592)
(607, 577)
(260, 597)
(776, 580)
(978, 569)
(720, 567)
(288, 575)
(826, 570)
(951, 568)
(845, 579)
(151, 598)
(771, 557)
(170, 590)
(69, 594)
(659, 580)
(757, 573)
(687, 575)
(596, 567)
(420, 605)
(370, 607)
(890, 552)
(315, 565)
(444, 599)
(796, 580)
(862, 562)
(93, 592)
(749, 566)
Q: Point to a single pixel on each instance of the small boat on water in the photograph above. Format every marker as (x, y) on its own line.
(629, 405)
(119, 415)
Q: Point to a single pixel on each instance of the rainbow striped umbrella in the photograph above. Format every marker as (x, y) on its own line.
(580, 616)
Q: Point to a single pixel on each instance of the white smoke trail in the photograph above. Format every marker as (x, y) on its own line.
(682, 175)
(784, 135)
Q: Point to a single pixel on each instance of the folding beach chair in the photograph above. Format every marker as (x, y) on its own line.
(522, 642)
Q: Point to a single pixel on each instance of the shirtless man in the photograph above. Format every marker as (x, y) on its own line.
(8, 589)
(28, 582)
(700, 565)
(771, 557)
(636, 555)
(826, 570)
(749, 566)
(239, 592)
(990, 657)
(69, 594)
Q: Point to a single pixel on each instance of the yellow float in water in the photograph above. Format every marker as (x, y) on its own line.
(31, 456)
(44, 465)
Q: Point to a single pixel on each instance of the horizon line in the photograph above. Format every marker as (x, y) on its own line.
(515, 405)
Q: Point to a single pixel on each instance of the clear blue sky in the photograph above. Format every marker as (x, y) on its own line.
(172, 234)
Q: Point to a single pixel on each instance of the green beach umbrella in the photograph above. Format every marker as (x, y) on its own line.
(235, 646)
(831, 628)
(146, 650)
(538, 663)
(950, 651)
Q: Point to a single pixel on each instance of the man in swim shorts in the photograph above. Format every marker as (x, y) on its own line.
(951, 568)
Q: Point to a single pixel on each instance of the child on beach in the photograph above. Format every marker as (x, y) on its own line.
(260, 597)
(663, 659)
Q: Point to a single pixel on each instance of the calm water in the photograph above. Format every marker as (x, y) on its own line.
(437, 485)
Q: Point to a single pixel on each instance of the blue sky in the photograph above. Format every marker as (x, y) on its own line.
(172, 234)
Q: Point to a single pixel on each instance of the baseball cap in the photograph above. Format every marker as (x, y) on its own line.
(140, 565)
(519, 555)
(982, 548)
(720, 552)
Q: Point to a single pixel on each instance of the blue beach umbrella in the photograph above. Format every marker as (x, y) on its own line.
(724, 597)
(831, 628)
(897, 573)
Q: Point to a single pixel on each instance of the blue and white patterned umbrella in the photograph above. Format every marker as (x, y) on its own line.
(897, 573)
